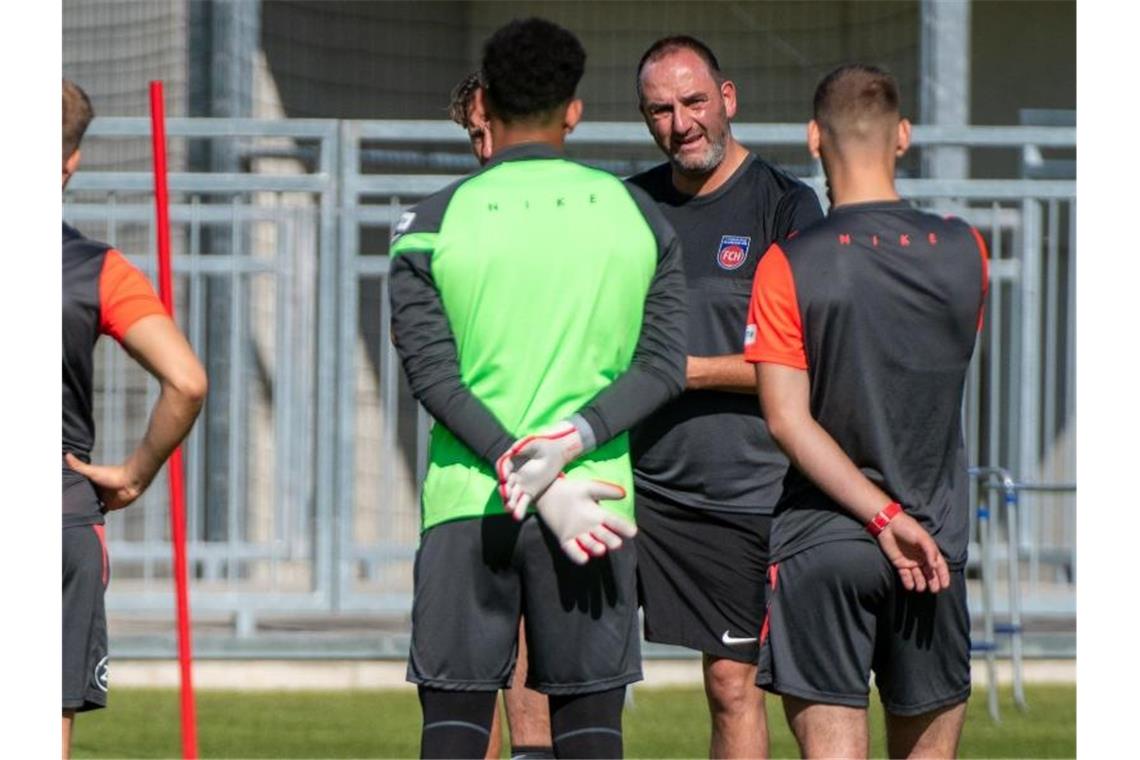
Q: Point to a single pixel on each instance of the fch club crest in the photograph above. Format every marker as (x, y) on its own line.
(733, 252)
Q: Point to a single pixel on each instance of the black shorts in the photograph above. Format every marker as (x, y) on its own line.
(85, 575)
(700, 577)
(474, 578)
(838, 611)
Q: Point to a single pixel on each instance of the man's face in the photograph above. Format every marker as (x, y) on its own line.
(478, 131)
(686, 111)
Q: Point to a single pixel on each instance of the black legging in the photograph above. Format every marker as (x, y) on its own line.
(458, 723)
(587, 725)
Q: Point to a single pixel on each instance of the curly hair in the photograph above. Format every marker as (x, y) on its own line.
(531, 67)
(461, 98)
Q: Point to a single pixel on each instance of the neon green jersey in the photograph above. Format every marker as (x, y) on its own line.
(532, 281)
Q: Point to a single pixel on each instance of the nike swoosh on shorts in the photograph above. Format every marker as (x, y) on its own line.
(732, 641)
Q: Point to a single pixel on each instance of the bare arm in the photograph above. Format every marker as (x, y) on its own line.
(730, 373)
(156, 344)
(785, 398)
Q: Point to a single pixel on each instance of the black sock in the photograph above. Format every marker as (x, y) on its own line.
(587, 725)
(532, 752)
(456, 723)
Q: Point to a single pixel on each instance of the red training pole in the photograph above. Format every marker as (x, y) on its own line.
(177, 490)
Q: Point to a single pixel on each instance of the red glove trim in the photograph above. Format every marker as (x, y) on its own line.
(879, 521)
(518, 446)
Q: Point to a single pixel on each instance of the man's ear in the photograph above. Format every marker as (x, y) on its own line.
(813, 138)
(479, 105)
(573, 116)
(903, 137)
(70, 166)
(487, 145)
(728, 92)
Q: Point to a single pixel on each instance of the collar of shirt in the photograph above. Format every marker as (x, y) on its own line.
(681, 199)
(69, 232)
(898, 205)
(524, 151)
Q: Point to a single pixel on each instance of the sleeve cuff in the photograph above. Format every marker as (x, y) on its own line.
(585, 432)
(501, 446)
(771, 357)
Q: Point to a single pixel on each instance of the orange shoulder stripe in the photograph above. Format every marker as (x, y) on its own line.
(985, 254)
(775, 333)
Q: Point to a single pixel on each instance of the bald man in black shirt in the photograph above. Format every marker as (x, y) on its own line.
(706, 473)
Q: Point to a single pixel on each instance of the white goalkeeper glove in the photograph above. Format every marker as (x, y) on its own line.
(532, 463)
(570, 509)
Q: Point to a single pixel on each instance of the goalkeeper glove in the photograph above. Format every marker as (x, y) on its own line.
(583, 529)
(533, 462)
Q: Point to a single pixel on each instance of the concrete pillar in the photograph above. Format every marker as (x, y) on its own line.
(944, 89)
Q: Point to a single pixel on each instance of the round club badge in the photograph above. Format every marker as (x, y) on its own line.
(733, 252)
(101, 674)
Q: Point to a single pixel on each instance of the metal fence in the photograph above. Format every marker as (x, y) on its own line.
(305, 503)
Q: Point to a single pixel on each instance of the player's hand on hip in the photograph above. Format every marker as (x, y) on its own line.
(115, 484)
(570, 509)
(532, 463)
(915, 555)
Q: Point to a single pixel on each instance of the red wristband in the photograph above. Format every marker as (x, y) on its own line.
(879, 521)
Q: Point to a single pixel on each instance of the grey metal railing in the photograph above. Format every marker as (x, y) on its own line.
(274, 545)
(325, 448)
(1001, 481)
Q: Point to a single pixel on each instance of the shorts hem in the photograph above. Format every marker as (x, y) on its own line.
(587, 687)
(84, 704)
(452, 684)
(83, 521)
(811, 695)
(909, 711)
(718, 650)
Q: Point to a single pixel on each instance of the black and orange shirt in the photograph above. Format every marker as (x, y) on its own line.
(710, 449)
(102, 294)
(880, 304)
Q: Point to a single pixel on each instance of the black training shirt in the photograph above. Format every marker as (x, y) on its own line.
(881, 304)
(711, 449)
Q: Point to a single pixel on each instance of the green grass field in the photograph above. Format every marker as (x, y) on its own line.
(661, 723)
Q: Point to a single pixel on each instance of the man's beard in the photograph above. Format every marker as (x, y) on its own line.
(703, 164)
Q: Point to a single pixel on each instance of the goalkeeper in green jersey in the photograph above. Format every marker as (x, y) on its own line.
(538, 309)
